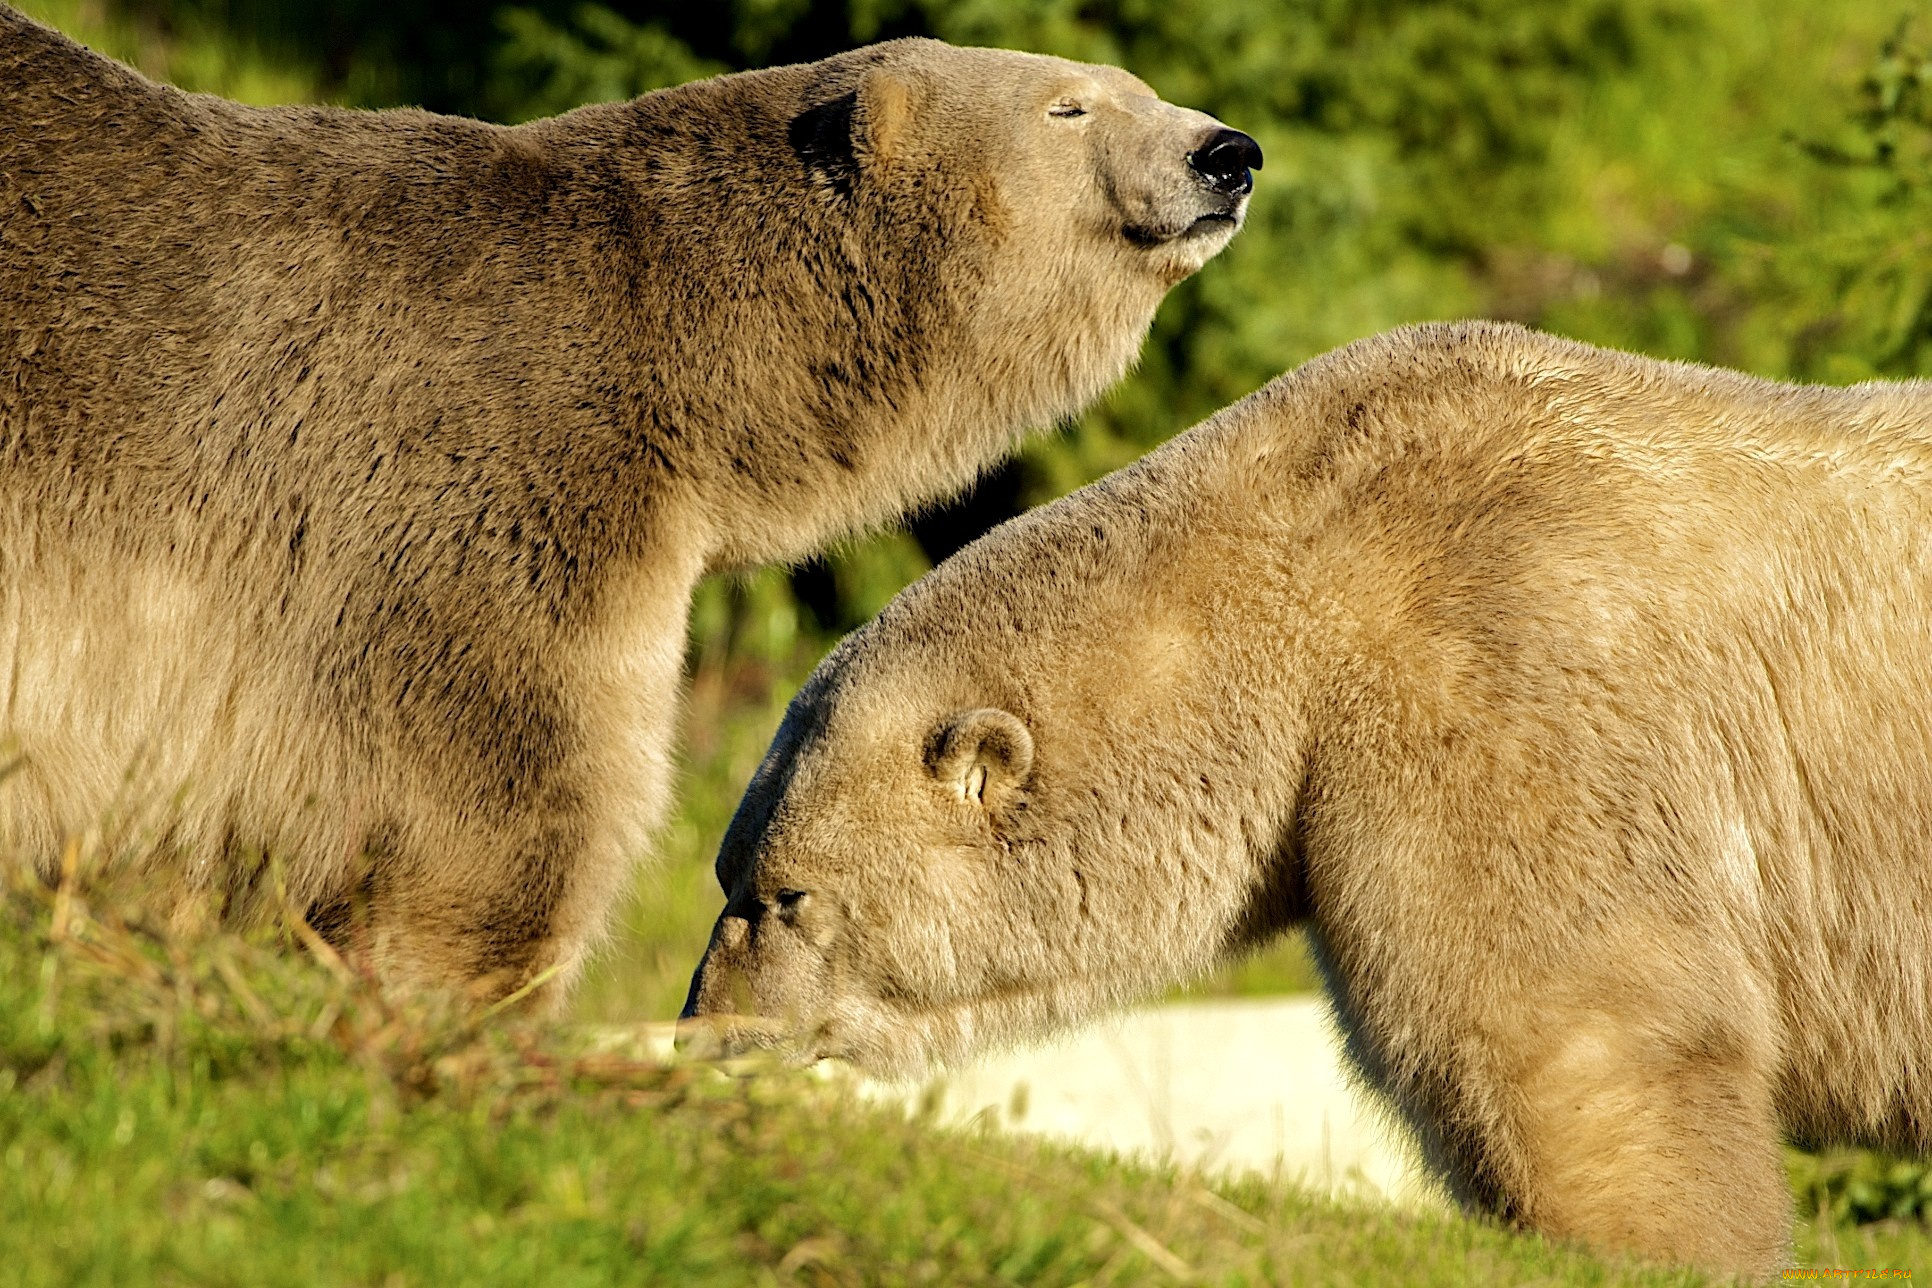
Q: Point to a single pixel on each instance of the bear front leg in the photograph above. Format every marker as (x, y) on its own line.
(1616, 1109)
(485, 914)
(1662, 1144)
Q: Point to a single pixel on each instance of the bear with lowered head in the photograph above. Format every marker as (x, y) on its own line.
(356, 467)
(1574, 702)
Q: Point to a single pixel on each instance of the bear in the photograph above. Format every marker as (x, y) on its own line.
(1573, 702)
(356, 467)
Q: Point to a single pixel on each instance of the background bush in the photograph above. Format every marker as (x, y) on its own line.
(1858, 1187)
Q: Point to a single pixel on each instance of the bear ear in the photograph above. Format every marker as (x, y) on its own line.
(821, 137)
(887, 108)
(981, 756)
(870, 126)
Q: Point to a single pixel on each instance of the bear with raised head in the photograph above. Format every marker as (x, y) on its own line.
(1575, 703)
(356, 467)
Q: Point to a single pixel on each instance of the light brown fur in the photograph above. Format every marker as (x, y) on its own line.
(1575, 702)
(356, 468)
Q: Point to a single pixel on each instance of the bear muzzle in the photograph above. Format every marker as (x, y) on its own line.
(720, 1019)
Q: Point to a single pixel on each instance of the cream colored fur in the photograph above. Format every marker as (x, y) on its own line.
(356, 468)
(1575, 702)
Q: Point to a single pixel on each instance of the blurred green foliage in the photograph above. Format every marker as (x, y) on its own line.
(1880, 265)
(545, 65)
(188, 51)
(1857, 1187)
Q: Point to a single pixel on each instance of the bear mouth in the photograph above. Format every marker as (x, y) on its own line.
(1214, 221)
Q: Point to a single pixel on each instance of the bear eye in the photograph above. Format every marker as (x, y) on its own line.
(1067, 107)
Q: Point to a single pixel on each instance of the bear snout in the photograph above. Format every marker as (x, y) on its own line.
(735, 1037)
(721, 982)
(1226, 160)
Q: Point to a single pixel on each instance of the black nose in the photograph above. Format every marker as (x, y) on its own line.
(1224, 161)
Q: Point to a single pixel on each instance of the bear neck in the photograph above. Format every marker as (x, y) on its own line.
(824, 357)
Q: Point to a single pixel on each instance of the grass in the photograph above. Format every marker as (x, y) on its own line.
(230, 1111)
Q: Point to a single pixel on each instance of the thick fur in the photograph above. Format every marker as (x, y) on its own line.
(355, 468)
(1576, 702)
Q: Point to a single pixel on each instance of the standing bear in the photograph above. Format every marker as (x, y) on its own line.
(1575, 702)
(356, 468)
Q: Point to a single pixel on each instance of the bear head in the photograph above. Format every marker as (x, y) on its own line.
(1011, 801)
(1044, 206)
(1055, 151)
